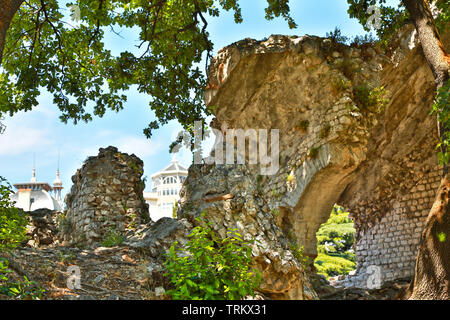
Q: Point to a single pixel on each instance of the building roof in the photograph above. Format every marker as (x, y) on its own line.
(35, 195)
(41, 200)
(33, 185)
(173, 168)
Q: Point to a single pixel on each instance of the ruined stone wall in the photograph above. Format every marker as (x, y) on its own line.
(106, 196)
(304, 87)
(394, 190)
(392, 243)
(334, 147)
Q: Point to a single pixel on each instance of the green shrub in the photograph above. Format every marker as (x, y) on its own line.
(348, 68)
(4, 270)
(210, 268)
(13, 224)
(13, 221)
(340, 85)
(25, 289)
(175, 210)
(370, 99)
(337, 37)
(274, 212)
(362, 40)
(113, 238)
(325, 131)
(275, 193)
(299, 253)
(313, 153)
(303, 125)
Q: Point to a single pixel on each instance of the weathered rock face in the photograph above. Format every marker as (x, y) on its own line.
(156, 239)
(248, 213)
(107, 196)
(43, 228)
(302, 87)
(311, 89)
(393, 191)
(354, 129)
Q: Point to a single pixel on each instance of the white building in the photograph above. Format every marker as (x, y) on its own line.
(166, 186)
(35, 195)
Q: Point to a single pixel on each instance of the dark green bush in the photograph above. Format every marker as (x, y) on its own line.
(211, 268)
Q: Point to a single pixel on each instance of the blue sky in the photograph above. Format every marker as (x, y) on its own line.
(40, 131)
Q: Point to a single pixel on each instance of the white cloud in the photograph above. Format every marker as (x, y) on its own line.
(19, 139)
(141, 147)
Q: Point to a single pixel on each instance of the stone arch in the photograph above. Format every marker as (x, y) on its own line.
(376, 160)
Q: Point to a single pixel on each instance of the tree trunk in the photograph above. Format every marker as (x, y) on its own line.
(432, 271)
(428, 34)
(8, 9)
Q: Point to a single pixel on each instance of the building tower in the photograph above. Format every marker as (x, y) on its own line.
(57, 186)
(33, 177)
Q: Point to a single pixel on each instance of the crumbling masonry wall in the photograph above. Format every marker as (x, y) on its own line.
(106, 197)
(373, 159)
(392, 243)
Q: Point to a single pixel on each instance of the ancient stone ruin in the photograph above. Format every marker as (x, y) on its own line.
(106, 196)
(354, 129)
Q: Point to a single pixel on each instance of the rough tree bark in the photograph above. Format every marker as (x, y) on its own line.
(8, 9)
(432, 271)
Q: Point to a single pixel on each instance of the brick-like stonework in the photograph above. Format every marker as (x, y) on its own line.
(392, 243)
